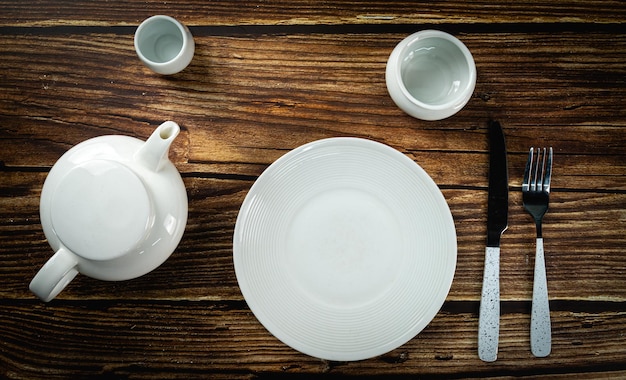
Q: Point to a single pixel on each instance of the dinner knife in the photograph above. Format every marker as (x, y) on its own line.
(497, 212)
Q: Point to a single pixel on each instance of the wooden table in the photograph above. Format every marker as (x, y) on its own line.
(267, 77)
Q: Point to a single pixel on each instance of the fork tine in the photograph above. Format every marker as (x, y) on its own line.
(527, 171)
(541, 165)
(548, 176)
(536, 181)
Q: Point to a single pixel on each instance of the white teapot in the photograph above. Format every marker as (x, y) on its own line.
(113, 208)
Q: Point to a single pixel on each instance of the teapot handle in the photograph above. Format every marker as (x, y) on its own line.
(55, 275)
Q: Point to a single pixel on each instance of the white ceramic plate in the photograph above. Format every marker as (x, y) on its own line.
(344, 249)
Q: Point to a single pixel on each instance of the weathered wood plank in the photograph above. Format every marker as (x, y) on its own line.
(235, 107)
(583, 233)
(225, 12)
(195, 339)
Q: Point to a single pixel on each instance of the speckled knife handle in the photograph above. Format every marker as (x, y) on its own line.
(540, 329)
(489, 317)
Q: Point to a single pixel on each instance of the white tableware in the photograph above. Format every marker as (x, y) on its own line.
(113, 208)
(164, 44)
(535, 198)
(344, 249)
(431, 75)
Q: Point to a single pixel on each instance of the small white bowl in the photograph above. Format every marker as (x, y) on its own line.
(431, 75)
(164, 44)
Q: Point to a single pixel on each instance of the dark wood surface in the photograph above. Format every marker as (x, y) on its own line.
(267, 77)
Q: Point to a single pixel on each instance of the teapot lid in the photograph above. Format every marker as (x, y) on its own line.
(101, 210)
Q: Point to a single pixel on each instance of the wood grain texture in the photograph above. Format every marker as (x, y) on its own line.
(203, 268)
(195, 339)
(267, 77)
(233, 109)
(302, 12)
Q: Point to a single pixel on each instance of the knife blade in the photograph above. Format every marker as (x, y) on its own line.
(497, 213)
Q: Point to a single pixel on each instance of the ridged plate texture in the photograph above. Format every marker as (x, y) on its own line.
(344, 249)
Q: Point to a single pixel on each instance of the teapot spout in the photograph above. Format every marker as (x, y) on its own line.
(153, 154)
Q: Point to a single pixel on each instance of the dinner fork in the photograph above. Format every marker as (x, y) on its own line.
(536, 195)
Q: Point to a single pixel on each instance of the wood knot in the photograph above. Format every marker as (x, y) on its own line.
(444, 357)
(396, 359)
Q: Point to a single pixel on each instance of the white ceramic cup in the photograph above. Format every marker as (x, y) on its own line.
(164, 45)
(431, 75)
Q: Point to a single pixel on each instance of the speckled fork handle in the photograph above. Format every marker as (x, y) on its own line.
(540, 330)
